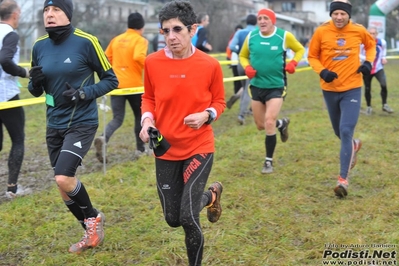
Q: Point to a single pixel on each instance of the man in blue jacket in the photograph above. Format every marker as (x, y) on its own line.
(200, 39)
(235, 46)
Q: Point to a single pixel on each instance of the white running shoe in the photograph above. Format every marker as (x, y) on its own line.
(369, 110)
(387, 109)
(21, 191)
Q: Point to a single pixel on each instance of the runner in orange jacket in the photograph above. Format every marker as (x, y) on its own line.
(334, 53)
(127, 53)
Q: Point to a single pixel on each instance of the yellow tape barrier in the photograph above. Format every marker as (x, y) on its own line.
(24, 102)
(127, 91)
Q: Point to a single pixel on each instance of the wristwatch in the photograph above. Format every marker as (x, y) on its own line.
(211, 117)
(82, 94)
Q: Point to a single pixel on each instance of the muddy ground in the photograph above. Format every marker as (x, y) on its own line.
(36, 172)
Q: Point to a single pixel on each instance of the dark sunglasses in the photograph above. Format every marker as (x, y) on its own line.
(175, 29)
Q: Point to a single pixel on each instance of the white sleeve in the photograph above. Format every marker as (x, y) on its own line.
(362, 53)
(384, 48)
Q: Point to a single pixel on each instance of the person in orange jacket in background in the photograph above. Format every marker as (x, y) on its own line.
(126, 52)
(334, 53)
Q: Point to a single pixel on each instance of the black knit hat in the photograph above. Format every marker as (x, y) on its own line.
(252, 20)
(135, 21)
(337, 5)
(65, 5)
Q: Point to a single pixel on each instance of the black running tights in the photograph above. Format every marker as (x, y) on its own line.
(180, 186)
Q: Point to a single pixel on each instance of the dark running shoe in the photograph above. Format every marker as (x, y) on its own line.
(241, 120)
(284, 129)
(232, 100)
(341, 190)
(215, 210)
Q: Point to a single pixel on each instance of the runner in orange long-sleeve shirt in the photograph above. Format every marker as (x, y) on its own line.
(334, 53)
(183, 94)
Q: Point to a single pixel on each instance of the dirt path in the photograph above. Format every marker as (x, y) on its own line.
(36, 172)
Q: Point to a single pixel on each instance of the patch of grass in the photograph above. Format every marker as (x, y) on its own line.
(286, 218)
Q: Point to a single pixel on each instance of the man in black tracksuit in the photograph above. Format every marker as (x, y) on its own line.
(64, 64)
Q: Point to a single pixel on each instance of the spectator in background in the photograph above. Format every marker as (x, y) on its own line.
(183, 95)
(200, 39)
(263, 58)
(377, 71)
(65, 66)
(233, 56)
(336, 58)
(13, 119)
(158, 42)
(228, 50)
(126, 53)
(235, 45)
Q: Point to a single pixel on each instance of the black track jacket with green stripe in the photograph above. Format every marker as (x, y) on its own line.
(75, 60)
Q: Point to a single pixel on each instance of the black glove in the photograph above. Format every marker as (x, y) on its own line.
(365, 68)
(157, 142)
(70, 94)
(328, 76)
(37, 77)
